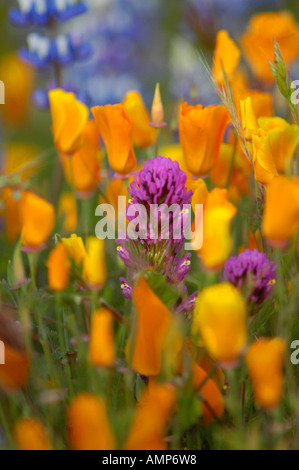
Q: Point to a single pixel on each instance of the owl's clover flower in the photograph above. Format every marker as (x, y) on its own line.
(41, 12)
(159, 185)
(160, 181)
(253, 271)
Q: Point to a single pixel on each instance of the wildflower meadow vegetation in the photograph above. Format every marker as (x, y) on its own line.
(149, 240)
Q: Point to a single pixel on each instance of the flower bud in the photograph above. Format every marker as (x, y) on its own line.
(157, 109)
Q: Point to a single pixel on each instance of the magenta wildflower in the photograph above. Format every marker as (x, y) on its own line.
(155, 189)
(161, 181)
(126, 288)
(253, 270)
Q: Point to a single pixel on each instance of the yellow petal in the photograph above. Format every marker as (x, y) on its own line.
(143, 134)
(69, 118)
(220, 320)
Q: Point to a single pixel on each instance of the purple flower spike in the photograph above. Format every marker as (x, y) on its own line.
(253, 270)
(158, 195)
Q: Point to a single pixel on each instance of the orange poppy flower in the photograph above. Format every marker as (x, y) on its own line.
(281, 210)
(226, 56)
(88, 424)
(58, 265)
(37, 220)
(264, 360)
(201, 133)
(143, 134)
(30, 434)
(69, 118)
(150, 419)
(145, 346)
(258, 41)
(116, 129)
(101, 345)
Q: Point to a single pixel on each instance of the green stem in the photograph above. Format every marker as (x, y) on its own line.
(206, 379)
(158, 131)
(232, 163)
(32, 258)
(6, 427)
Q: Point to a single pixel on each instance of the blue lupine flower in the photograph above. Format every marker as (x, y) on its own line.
(41, 12)
(42, 51)
(64, 50)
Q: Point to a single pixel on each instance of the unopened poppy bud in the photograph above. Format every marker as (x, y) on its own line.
(18, 268)
(157, 109)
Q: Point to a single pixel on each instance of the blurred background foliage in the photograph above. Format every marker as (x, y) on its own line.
(135, 45)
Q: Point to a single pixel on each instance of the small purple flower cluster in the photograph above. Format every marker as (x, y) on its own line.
(160, 187)
(161, 181)
(253, 270)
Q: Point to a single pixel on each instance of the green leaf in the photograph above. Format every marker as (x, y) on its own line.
(166, 292)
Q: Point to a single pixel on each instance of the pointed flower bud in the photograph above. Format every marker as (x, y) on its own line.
(157, 109)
